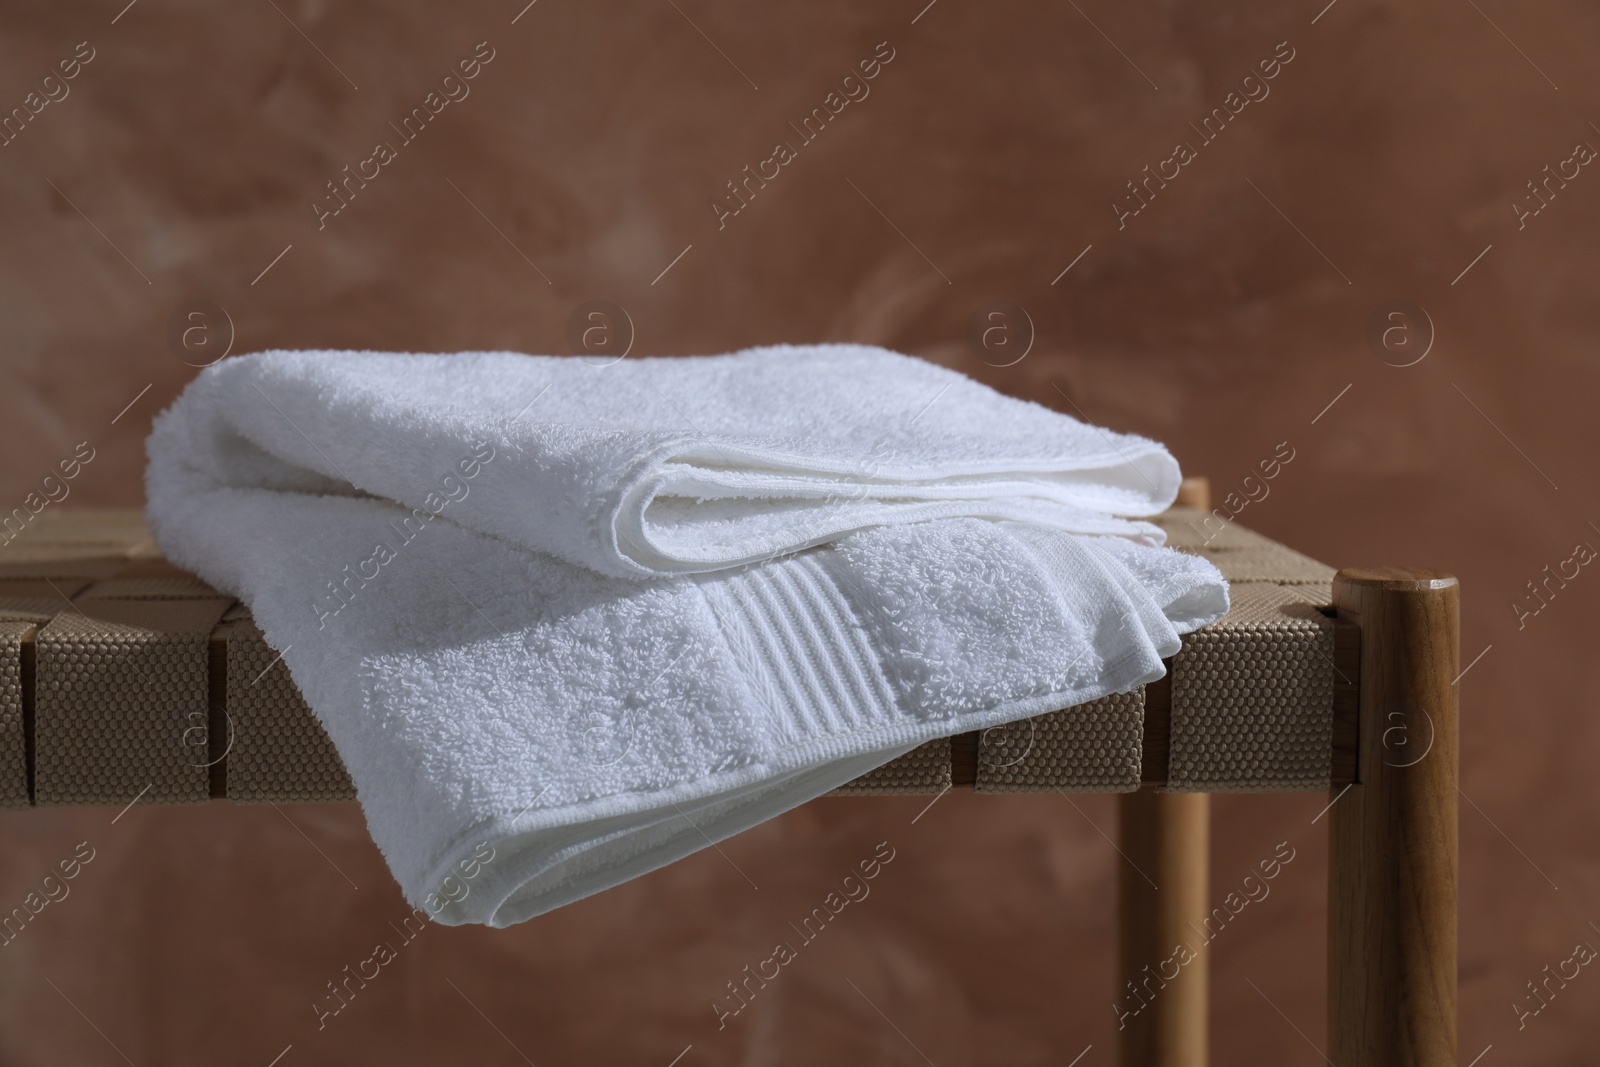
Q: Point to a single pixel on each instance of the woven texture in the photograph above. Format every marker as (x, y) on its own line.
(35, 595)
(75, 535)
(177, 587)
(25, 605)
(58, 563)
(1241, 555)
(925, 769)
(280, 753)
(1252, 697)
(120, 642)
(13, 737)
(121, 702)
(1092, 748)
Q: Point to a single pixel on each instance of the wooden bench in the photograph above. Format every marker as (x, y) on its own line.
(124, 679)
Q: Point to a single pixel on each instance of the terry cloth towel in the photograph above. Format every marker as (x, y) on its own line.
(523, 731)
(648, 467)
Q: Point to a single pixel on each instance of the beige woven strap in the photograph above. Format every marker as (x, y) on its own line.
(25, 605)
(1252, 697)
(116, 527)
(121, 687)
(57, 563)
(1242, 555)
(121, 702)
(84, 533)
(925, 769)
(1268, 563)
(279, 753)
(13, 728)
(1091, 748)
(35, 609)
(155, 587)
(67, 543)
(1188, 527)
(57, 591)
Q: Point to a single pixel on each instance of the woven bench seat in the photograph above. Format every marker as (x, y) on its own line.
(125, 680)
(122, 678)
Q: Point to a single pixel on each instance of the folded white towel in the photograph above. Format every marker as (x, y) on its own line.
(522, 731)
(648, 467)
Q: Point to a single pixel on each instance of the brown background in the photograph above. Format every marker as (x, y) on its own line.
(995, 140)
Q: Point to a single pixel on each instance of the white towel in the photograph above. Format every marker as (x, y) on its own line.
(648, 467)
(523, 731)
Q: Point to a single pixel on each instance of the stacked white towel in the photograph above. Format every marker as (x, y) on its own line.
(590, 619)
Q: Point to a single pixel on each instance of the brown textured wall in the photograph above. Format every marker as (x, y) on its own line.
(1222, 318)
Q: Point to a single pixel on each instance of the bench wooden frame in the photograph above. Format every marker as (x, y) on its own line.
(1393, 867)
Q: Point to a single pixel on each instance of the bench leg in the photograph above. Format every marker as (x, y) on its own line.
(1161, 992)
(1392, 871)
